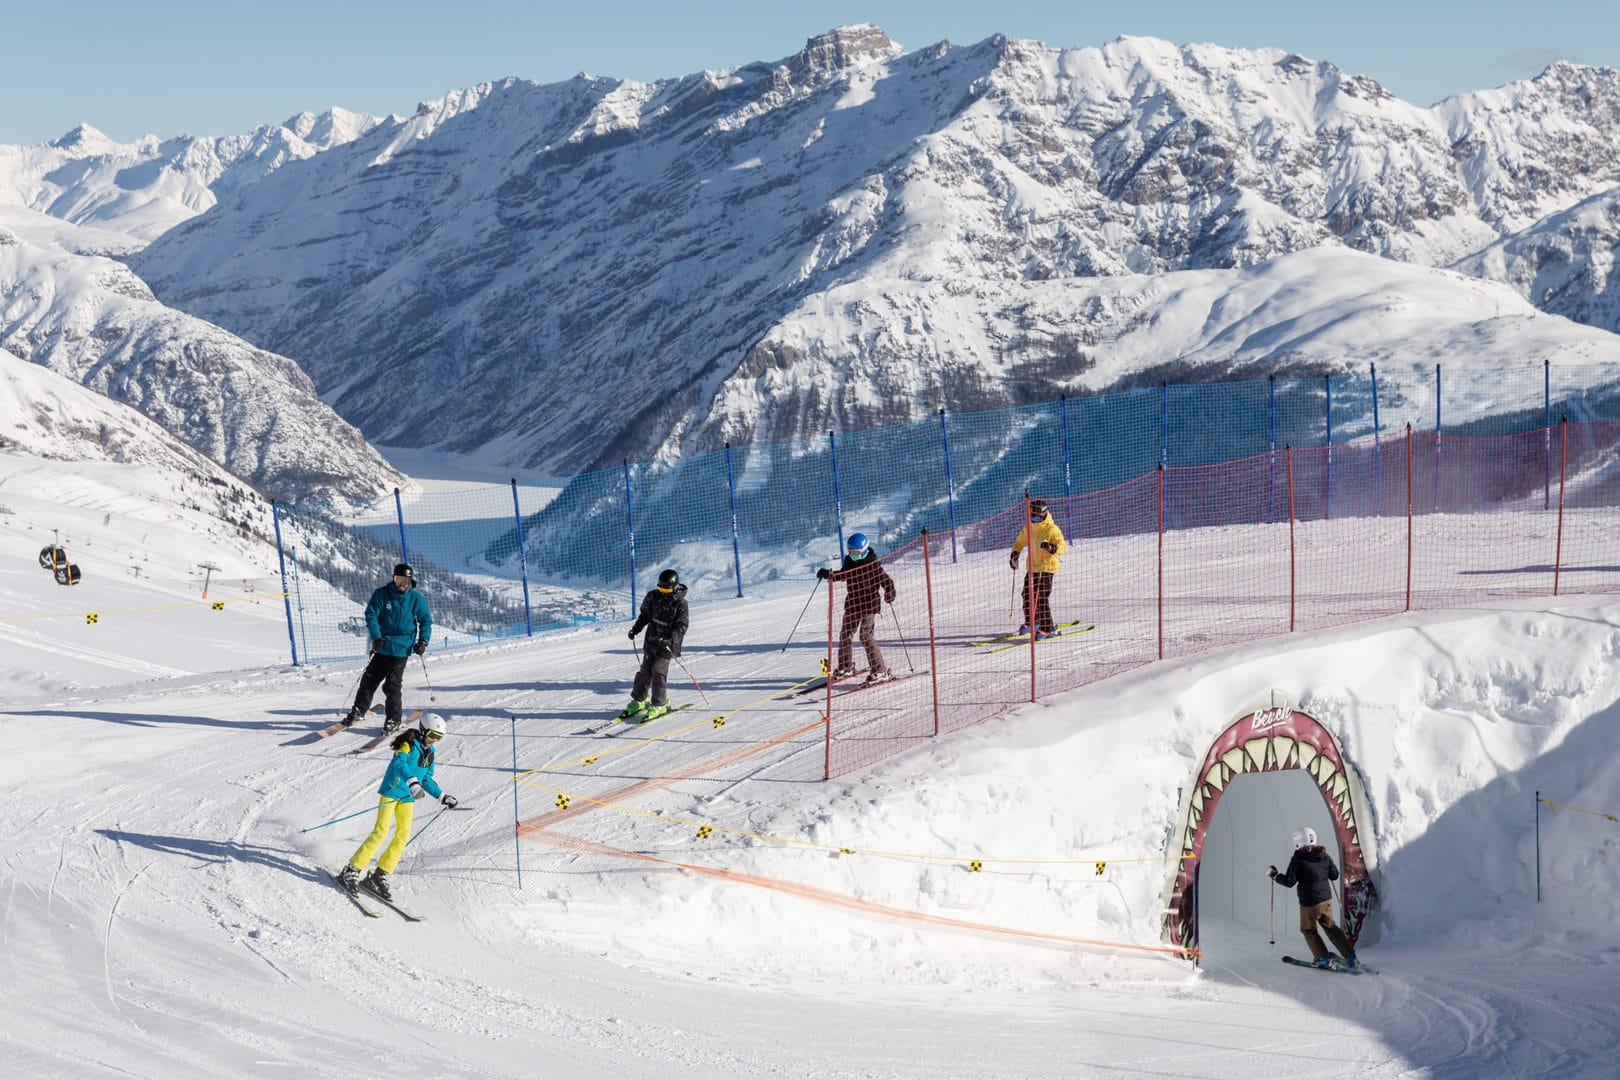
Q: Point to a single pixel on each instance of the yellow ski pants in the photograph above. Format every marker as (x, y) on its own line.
(394, 812)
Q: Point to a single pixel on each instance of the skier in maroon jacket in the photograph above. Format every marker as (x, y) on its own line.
(866, 586)
(1312, 869)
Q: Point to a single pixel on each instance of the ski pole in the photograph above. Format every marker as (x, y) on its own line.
(335, 820)
(904, 648)
(353, 690)
(800, 619)
(431, 695)
(1274, 911)
(424, 828)
(1012, 598)
(689, 675)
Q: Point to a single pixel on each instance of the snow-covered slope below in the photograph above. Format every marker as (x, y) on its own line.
(167, 912)
(146, 187)
(517, 250)
(90, 319)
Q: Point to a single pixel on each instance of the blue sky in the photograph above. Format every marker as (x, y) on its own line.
(220, 67)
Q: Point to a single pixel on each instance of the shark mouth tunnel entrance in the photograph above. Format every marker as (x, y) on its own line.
(1272, 770)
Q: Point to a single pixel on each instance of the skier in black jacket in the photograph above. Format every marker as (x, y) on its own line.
(1312, 869)
(664, 614)
(866, 586)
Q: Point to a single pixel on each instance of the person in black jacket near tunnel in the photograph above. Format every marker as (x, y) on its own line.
(1312, 869)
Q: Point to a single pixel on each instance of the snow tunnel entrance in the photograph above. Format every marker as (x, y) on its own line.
(1273, 769)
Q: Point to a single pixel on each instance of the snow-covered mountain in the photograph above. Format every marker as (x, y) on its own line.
(90, 319)
(148, 186)
(45, 417)
(514, 250)
(1563, 263)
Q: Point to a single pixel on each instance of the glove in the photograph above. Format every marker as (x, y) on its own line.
(1012, 560)
(1271, 871)
(416, 788)
(449, 802)
(888, 597)
(376, 644)
(1049, 547)
(823, 573)
(419, 648)
(633, 633)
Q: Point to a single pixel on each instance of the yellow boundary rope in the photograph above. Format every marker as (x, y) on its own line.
(718, 720)
(92, 616)
(1578, 810)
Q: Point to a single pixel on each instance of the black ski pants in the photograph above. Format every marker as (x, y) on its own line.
(1041, 613)
(390, 672)
(653, 675)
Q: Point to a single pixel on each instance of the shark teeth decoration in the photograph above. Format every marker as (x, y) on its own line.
(1270, 738)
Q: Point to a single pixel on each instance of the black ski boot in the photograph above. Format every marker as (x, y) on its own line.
(390, 725)
(354, 714)
(377, 882)
(350, 878)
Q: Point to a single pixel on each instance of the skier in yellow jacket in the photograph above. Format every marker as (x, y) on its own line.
(1045, 541)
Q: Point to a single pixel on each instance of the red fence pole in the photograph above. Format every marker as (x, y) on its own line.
(1563, 464)
(1161, 560)
(1288, 458)
(1408, 517)
(826, 717)
(933, 654)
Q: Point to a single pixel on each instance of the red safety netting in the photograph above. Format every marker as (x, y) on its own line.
(1184, 560)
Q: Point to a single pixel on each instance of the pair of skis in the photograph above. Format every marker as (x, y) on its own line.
(629, 720)
(371, 912)
(1335, 965)
(843, 686)
(373, 743)
(1014, 641)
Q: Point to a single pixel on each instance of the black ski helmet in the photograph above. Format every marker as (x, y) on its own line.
(668, 579)
(1037, 509)
(404, 570)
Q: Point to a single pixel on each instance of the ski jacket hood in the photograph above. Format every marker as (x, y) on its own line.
(400, 619)
(413, 760)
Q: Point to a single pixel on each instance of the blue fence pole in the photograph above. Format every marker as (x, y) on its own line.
(399, 512)
(1378, 456)
(1538, 847)
(731, 499)
(630, 522)
(1546, 438)
(523, 560)
(1068, 485)
(286, 595)
(517, 820)
(1327, 386)
(1164, 424)
(950, 485)
(1271, 442)
(1437, 436)
(838, 498)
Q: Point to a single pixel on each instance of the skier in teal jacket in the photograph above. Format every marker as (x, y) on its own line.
(400, 624)
(409, 777)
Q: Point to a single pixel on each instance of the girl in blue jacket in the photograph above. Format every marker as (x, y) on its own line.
(409, 776)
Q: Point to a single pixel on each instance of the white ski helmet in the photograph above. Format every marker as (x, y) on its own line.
(434, 723)
(1304, 836)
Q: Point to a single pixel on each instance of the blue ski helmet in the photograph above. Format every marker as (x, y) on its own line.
(857, 541)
